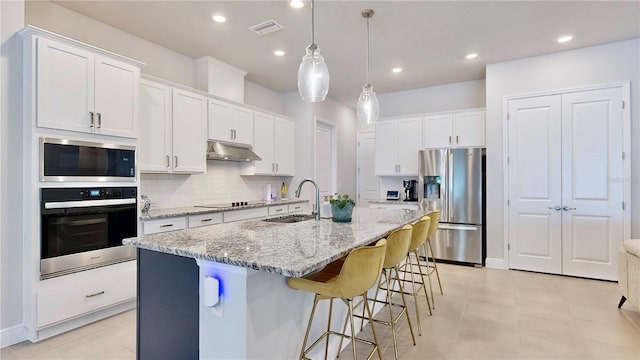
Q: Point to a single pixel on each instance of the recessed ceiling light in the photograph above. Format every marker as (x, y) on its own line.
(396, 69)
(296, 4)
(219, 18)
(564, 39)
(472, 56)
(278, 53)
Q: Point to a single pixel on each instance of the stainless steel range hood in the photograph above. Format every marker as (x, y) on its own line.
(230, 152)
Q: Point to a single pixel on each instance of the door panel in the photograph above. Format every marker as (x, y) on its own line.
(263, 143)
(189, 131)
(367, 180)
(592, 191)
(386, 148)
(535, 184)
(116, 97)
(409, 143)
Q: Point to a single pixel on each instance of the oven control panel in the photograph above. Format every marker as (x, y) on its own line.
(97, 193)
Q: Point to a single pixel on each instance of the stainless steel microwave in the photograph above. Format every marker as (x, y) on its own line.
(70, 160)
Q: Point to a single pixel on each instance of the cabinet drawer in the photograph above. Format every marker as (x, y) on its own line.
(237, 215)
(278, 210)
(204, 220)
(164, 225)
(297, 207)
(64, 302)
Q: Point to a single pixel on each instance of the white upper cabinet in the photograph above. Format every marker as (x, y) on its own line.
(273, 142)
(397, 146)
(189, 132)
(230, 123)
(79, 90)
(457, 129)
(173, 124)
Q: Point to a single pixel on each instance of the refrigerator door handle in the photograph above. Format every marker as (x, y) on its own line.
(457, 227)
(450, 185)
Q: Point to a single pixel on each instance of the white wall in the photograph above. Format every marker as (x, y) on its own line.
(612, 62)
(11, 20)
(262, 97)
(344, 118)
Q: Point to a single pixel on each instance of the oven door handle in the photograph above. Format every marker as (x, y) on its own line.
(87, 203)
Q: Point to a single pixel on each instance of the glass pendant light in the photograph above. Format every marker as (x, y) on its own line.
(368, 108)
(313, 75)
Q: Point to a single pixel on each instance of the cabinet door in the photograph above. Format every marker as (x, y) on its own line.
(283, 148)
(189, 129)
(155, 152)
(469, 129)
(242, 125)
(437, 131)
(263, 143)
(64, 84)
(409, 143)
(387, 148)
(220, 120)
(116, 97)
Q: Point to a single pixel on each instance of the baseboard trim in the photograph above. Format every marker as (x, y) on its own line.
(493, 263)
(12, 335)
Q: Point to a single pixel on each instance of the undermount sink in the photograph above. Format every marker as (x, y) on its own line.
(290, 219)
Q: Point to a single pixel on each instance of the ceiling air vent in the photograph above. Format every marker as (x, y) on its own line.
(266, 27)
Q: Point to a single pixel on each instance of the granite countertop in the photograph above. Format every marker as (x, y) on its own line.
(393, 202)
(193, 210)
(293, 250)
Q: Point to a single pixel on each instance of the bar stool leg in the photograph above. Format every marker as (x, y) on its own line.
(391, 318)
(415, 297)
(373, 328)
(435, 266)
(306, 335)
(404, 302)
(326, 348)
(424, 285)
(426, 255)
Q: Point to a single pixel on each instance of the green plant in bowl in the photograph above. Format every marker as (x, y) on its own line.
(342, 207)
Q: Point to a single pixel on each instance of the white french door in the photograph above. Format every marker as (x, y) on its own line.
(535, 178)
(566, 183)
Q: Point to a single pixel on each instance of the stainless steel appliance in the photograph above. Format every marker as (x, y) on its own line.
(70, 160)
(452, 180)
(83, 228)
(410, 187)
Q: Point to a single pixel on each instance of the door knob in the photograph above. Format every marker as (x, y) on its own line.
(566, 208)
(556, 208)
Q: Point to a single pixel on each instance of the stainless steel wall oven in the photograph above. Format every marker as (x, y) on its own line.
(83, 228)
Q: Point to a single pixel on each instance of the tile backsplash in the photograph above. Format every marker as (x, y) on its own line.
(221, 184)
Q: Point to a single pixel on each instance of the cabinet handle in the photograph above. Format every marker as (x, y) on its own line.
(278, 210)
(230, 134)
(457, 142)
(175, 157)
(556, 208)
(91, 121)
(566, 208)
(449, 139)
(166, 225)
(99, 120)
(273, 167)
(235, 134)
(94, 294)
(168, 160)
(277, 167)
(206, 220)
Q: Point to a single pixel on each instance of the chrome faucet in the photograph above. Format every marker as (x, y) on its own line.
(316, 207)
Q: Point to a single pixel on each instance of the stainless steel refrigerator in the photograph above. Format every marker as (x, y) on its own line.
(452, 180)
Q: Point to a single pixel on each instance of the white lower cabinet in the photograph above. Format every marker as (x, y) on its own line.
(164, 225)
(245, 214)
(204, 220)
(78, 298)
(278, 210)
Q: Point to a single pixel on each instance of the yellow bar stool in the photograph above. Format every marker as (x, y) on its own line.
(397, 248)
(344, 280)
(427, 248)
(418, 237)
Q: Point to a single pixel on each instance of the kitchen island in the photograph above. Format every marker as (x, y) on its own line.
(256, 315)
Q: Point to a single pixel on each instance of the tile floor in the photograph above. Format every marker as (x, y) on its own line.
(483, 314)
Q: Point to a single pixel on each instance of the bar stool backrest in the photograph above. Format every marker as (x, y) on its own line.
(397, 246)
(435, 220)
(361, 269)
(419, 234)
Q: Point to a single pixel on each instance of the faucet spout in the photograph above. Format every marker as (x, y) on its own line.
(316, 206)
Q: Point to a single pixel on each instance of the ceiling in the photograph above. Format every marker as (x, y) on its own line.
(428, 39)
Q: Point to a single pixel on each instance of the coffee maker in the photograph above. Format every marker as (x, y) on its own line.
(410, 190)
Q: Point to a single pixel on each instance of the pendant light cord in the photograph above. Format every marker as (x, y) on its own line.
(313, 38)
(367, 50)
